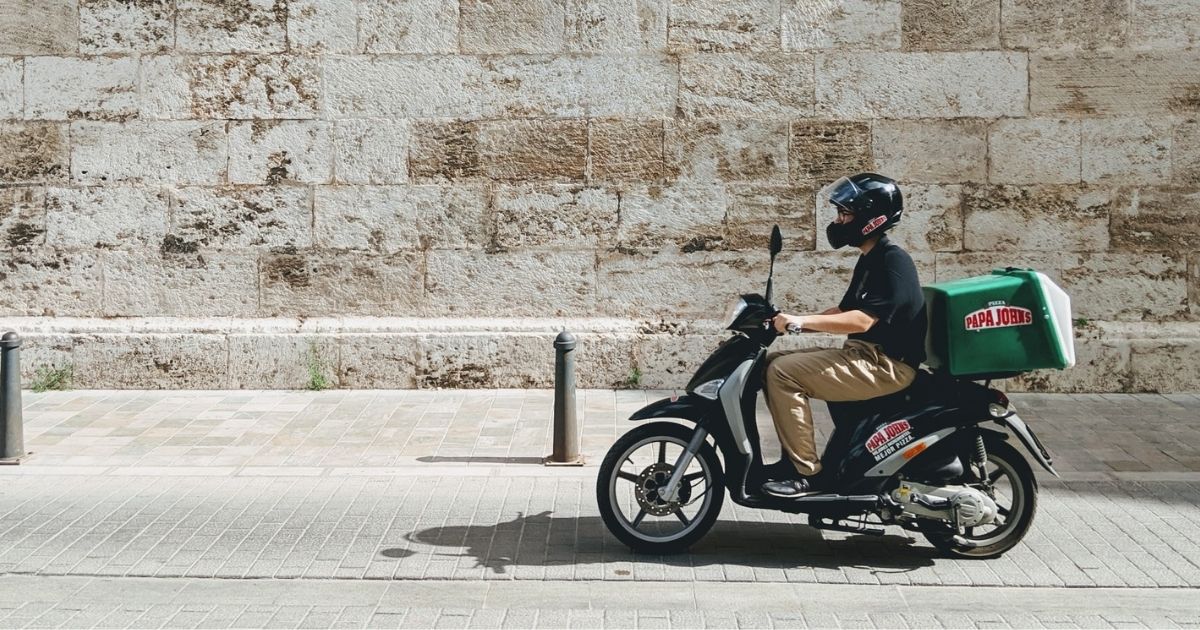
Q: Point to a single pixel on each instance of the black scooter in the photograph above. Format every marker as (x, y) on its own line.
(920, 459)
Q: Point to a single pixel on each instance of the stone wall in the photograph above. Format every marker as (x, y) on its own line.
(219, 193)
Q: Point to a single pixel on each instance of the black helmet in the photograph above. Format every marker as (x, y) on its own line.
(874, 200)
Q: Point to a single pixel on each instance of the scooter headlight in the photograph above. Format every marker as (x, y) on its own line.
(710, 389)
(734, 311)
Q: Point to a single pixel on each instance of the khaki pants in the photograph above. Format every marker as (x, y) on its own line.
(857, 371)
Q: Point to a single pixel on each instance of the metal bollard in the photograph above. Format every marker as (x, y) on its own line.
(566, 423)
(12, 433)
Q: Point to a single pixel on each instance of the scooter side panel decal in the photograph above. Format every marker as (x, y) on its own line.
(886, 440)
(894, 462)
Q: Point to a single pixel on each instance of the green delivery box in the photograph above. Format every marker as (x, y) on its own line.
(1013, 320)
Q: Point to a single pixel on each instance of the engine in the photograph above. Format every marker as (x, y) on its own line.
(960, 505)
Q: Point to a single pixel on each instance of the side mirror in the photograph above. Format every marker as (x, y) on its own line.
(776, 241)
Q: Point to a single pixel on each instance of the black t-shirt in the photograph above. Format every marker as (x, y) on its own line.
(885, 285)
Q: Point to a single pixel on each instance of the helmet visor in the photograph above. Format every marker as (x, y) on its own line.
(840, 193)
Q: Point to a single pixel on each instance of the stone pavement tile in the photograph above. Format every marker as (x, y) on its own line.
(515, 618)
(453, 618)
(619, 618)
(122, 617)
(487, 619)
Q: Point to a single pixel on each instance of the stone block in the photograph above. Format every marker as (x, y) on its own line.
(515, 26)
(1185, 153)
(1194, 282)
(182, 152)
(1126, 286)
(106, 217)
(1115, 82)
(322, 26)
(950, 24)
(50, 282)
(164, 88)
(931, 151)
(388, 219)
(1126, 149)
(673, 285)
(516, 150)
(274, 151)
(282, 361)
(168, 282)
(254, 87)
(42, 352)
(22, 216)
(1101, 365)
(1045, 218)
(320, 282)
(378, 361)
(616, 25)
(371, 151)
(629, 85)
(603, 360)
(119, 26)
(514, 284)
(1164, 24)
(566, 217)
(724, 25)
(241, 217)
(921, 85)
(12, 99)
(152, 361)
(1161, 219)
(727, 151)
(357, 87)
(231, 26)
(403, 26)
(932, 220)
(39, 27)
(98, 88)
(472, 361)
(732, 85)
(755, 208)
(810, 282)
(1034, 151)
(820, 151)
(33, 152)
(956, 266)
(444, 150)
(669, 361)
(688, 216)
(1165, 366)
(846, 24)
(1064, 24)
(626, 150)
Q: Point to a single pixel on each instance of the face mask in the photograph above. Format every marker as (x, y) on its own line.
(843, 234)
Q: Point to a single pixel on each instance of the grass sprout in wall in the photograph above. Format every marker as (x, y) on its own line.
(317, 380)
(52, 378)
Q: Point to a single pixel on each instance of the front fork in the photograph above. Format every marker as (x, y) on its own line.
(670, 492)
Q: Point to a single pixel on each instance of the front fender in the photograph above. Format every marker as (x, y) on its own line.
(686, 407)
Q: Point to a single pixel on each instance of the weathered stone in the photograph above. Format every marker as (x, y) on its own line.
(316, 282)
(1194, 282)
(1101, 365)
(553, 217)
(45, 352)
(754, 209)
(170, 282)
(545, 150)
(1155, 218)
(616, 25)
(965, 265)
(371, 151)
(821, 151)
(233, 218)
(1034, 151)
(810, 282)
(932, 220)
(152, 361)
(1126, 150)
(404, 26)
(601, 85)
(854, 24)
(106, 217)
(22, 216)
(1167, 24)
(1185, 153)
(471, 361)
(950, 24)
(39, 27)
(1047, 218)
(1115, 82)
(525, 284)
(515, 26)
(164, 88)
(1164, 365)
(50, 282)
(322, 26)
(1126, 286)
(387, 219)
(932, 151)
(377, 361)
(921, 85)
(723, 25)
(116, 26)
(357, 87)
(61, 88)
(604, 360)
(34, 152)
(444, 150)
(282, 361)
(669, 361)
(727, 151)
(254, 87)
(626, 150)
(271, 151)
(12, 72)
(1039, 24)
(675, 285)
(173, 152)
(691, 217)
(735, 85)
(231, 26)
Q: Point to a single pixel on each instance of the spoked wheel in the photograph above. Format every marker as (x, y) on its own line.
(637, 467)
(1013, 487)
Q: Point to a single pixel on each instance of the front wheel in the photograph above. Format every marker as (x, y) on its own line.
(636, 467)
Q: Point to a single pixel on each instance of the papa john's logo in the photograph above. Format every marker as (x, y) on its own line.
(873, 225)
(998, 315)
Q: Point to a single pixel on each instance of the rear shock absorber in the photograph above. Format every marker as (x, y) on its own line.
(979, 458)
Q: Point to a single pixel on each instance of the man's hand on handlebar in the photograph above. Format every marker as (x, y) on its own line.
(784, 324)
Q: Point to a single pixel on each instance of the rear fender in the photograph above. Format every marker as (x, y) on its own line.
(1028, 439)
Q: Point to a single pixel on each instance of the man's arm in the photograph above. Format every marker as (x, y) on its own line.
(840, 323)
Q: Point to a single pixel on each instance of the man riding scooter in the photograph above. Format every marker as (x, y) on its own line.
(882, 312)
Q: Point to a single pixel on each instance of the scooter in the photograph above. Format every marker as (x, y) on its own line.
(921, 459)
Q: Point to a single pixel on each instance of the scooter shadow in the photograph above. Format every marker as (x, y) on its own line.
(546, 540)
